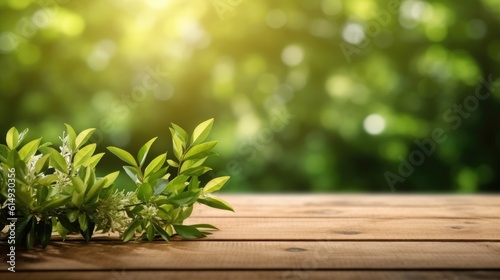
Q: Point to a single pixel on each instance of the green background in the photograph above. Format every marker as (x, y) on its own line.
(310, 95)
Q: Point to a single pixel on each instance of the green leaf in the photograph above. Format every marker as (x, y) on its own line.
(82, 221)
(215, 202)
(29, 149)
(77, 199)
(196, 171)
(201, 132)
(44, 232)
(155, 164)
(87, 233)
(20, 166)
(164, 210)
(84, 154)
(174, 215)
(107, 192)
(191, 163)
(170, 230)
(47, 180)
(42, 163)
(194, 184)
(162, 232)
(68, 224)
(30, 239)
(188, 231)
(4, 153)
(12, 138)
(160, 174)
(94, 190)
(73, 215)
(184, 214)
(132, 172)
(87, 175)
(145, 191)
(150, 232)
(78, 184)
(182, 134)
(215, 184)
(24, 199)
(143, 152)
(186, 198)
(22, 135)
(178, 145)
(123, 155)
(62, 230)
(53, 204)
(160, 186)
(23, 226)
(172, 163)
(110, 179)
(83, 137)
(206, 226)
(13, 157)
(41, 194)
(93, 160)
(46, 144)
(177, 184)
(57, 160)
(79, 191)
(130, 231)
(71, 137)
(200, 151)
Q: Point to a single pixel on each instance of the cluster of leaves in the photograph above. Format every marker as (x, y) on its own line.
(59, 190)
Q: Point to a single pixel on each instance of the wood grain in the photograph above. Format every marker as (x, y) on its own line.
(357, 206)
(297, 237)
(326, 211)
(256, 275)
(101, 255)
(373, 200)
(352, 229)
(363, 229)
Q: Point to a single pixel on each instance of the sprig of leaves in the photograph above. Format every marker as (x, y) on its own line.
(167, 200)
(58, 190)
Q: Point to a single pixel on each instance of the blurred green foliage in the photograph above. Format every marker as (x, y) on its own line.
(308, 95)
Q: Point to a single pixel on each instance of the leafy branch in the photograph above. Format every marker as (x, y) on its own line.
(59, 190)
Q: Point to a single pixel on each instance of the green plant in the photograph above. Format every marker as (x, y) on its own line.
(49, 190)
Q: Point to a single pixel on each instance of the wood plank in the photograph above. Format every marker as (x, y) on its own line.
(308, 211)
(370, 200)
(253, 275)
(322, 232)
(352, 229)
(358, 206)
(363, 229)
(259, 255)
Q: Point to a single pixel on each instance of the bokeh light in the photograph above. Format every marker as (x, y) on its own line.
(374, 124)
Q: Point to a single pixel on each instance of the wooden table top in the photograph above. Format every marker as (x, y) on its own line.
(299, 236)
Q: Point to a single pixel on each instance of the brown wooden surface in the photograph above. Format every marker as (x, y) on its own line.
(298, 237)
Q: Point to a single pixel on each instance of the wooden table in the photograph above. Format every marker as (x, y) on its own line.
(299, 237)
